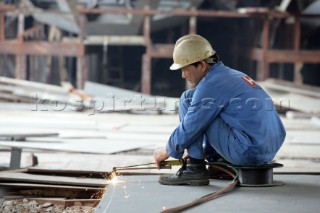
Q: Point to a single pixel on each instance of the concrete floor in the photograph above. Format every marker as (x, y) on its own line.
(299, 193)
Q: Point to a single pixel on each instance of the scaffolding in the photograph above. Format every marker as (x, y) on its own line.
(75, 47)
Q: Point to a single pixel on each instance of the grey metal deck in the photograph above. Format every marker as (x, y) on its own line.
(300, 193)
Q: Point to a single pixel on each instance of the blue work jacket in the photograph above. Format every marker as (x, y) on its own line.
(232, 97)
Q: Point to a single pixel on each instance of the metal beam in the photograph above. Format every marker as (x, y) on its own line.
(297, 34)
(15, 159)
(81, 64)
(7, 7)
(290, 56)
(2, 26)
(146, 74)
(256, 54)
(297, 78)
(70, 48)
(146, 71)
(162, 50)
(263, 65)
(286, 56)
(115, 40)
(33, 31)
(208, 13)
(193, 23)
(21, 68)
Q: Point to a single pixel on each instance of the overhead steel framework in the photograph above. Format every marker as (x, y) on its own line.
(76, 47)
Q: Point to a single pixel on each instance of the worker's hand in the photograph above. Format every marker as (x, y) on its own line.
(160, 154)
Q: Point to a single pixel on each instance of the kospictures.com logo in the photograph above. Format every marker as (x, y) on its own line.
(162, 104)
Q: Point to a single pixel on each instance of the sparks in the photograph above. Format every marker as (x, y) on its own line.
(114, 180)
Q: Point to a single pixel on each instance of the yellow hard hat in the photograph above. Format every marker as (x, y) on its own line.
(190, 49)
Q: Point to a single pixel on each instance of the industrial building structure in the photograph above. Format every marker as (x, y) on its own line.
(86, 95)
(129, 43)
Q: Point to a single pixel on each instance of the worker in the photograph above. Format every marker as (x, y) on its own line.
(226, 114)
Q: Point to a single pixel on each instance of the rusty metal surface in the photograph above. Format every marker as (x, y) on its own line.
(81, 70)
(21, 69)
(146, 71)
(7, 7)
(146, 74)
(31, 32)
(20, 66)
(2, 26)
(193, 25)
(287, 56)
(70, 48)
(162, 50)
(264, 72)
(307, 56)
(297, 34)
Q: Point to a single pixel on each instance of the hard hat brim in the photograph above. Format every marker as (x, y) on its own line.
(175, 66)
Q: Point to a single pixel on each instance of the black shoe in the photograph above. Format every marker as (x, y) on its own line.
(189, 174)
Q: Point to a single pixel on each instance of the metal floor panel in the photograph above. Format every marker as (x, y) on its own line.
(300, 193)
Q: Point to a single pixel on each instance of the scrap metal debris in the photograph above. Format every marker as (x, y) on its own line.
(25, 205)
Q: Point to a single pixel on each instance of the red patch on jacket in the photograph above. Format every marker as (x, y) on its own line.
(249, 80)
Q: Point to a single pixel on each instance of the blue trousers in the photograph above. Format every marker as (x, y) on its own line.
(218, 140)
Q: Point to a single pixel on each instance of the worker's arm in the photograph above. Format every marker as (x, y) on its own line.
(205, 106)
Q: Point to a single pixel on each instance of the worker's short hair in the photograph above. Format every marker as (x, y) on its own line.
(211, 60)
